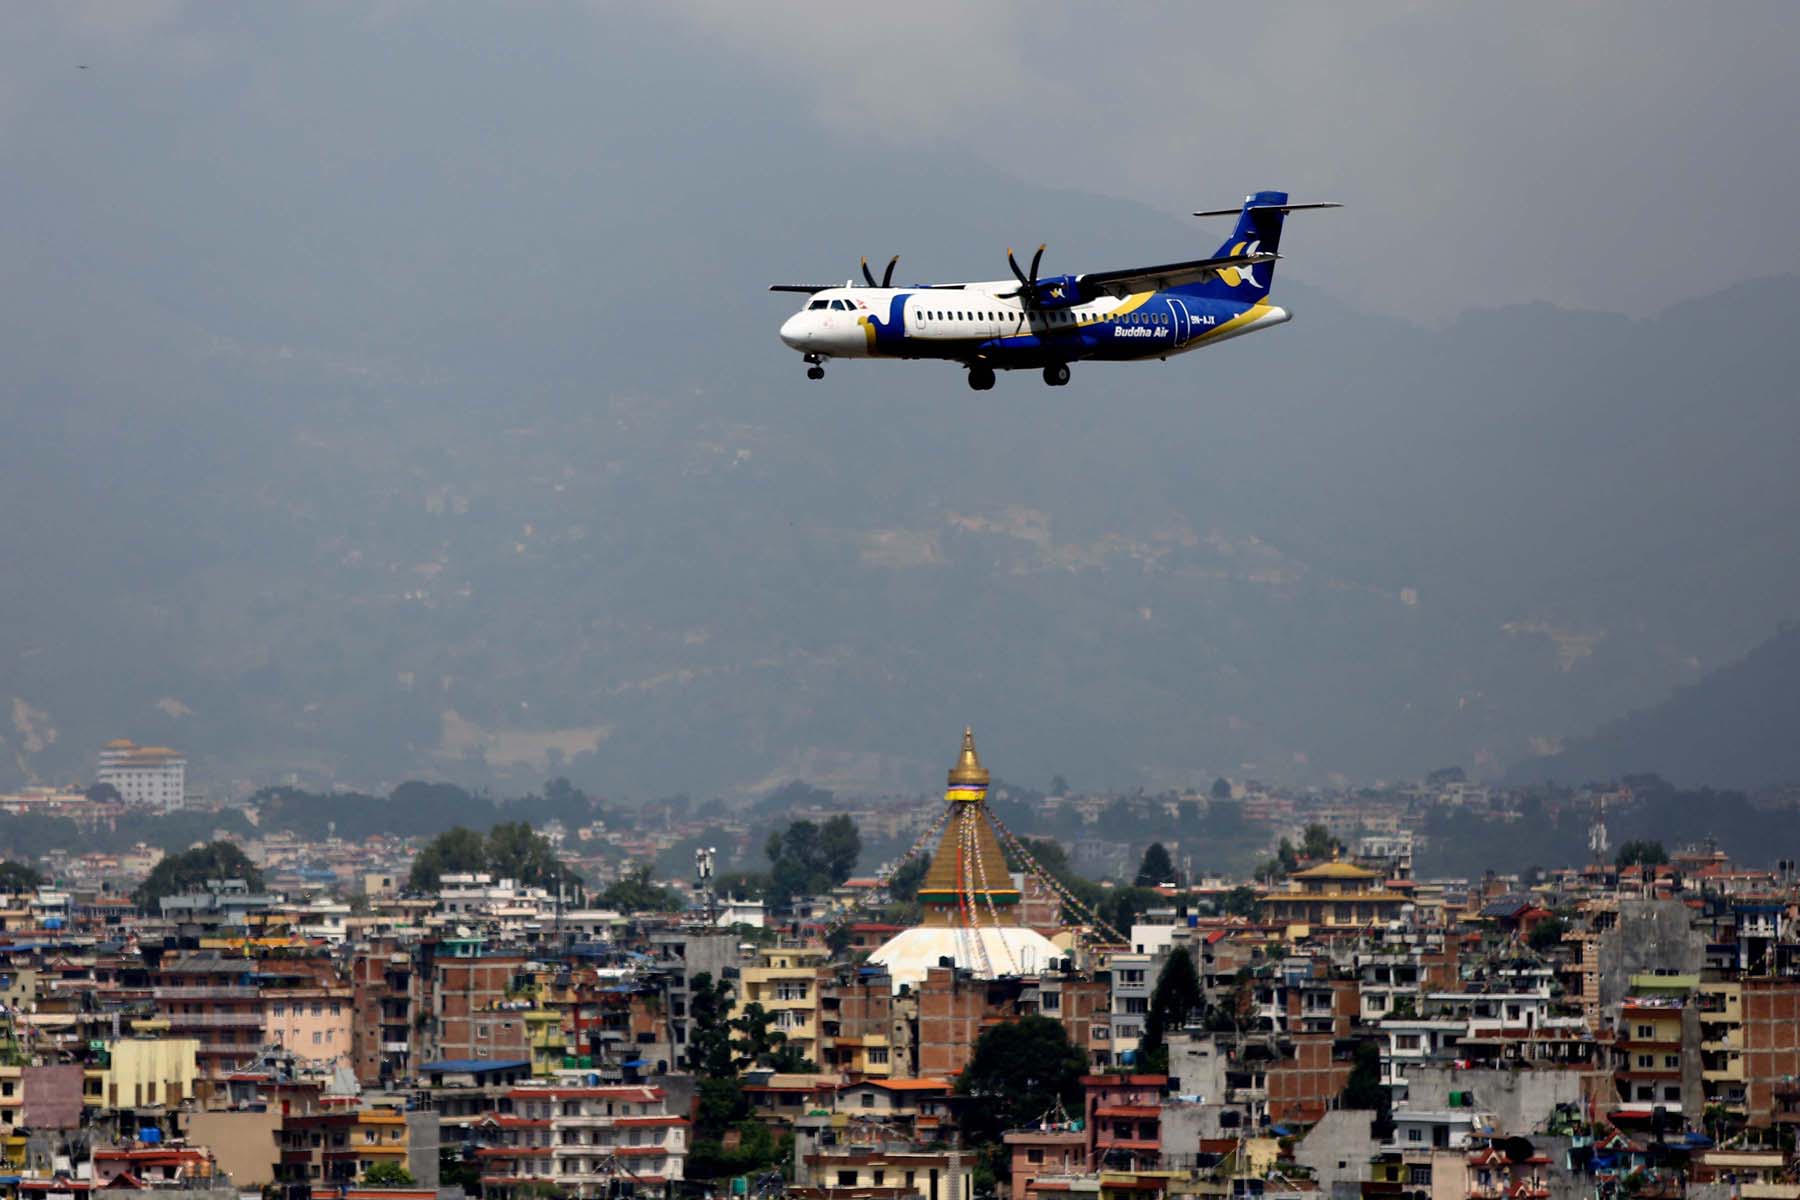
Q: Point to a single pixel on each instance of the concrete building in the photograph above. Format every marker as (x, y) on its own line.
(582, 1141)
(145, 776)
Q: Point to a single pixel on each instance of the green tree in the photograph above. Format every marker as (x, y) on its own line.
(1177, 999)
(709, 1028)
(454, 851)
(457, 1169)
(757, 1038)
(19, 877)
(903, 885)
(633, 892)
(1641, 854)
(1240, 901)
(840, 845)
(1547, 933)
(1317, 843)
(191, 869)
(1363, 1089)
(517, 851)
(387, 1174)
(1157, 867)
(1019, 1071)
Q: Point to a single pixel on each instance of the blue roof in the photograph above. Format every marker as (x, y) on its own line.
(478, 1064)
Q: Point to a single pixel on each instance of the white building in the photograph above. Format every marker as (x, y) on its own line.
(145, 776)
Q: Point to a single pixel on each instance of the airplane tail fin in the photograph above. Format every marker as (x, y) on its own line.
(1258, 231)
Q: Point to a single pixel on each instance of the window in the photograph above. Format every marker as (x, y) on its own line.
(1419, 1174)
(1052, 1002)
(1672, 1094)
(1671, 1062)
(1645, 1062)
(1646, 1032)
(1034, 1155)
(1137, 1004)
(868, 1100)
(1415, 1135)
(846, 1178)
(317, 1037)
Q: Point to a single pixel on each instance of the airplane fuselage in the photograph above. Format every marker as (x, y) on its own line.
(973, 324)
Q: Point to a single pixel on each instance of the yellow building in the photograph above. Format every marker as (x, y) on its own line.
(1722, 1045)
(785, 981)
(1333, 895)
(144, 1072)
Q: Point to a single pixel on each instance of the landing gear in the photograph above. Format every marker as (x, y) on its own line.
(817, 369)
(981, 378)
(1056, 374)
(815, 372)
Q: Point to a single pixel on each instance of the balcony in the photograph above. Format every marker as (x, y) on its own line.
(231, 1020)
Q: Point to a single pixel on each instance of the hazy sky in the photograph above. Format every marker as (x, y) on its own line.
(1617, 156)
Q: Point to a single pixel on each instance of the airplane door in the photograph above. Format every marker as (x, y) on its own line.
(1184, 323)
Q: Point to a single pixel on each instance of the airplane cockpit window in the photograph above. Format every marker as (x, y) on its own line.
(818, 304)
(838, 305)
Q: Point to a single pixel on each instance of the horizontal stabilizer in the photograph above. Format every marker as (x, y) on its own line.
(1286, 208)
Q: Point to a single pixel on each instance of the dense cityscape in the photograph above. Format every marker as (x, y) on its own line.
(512, 1011)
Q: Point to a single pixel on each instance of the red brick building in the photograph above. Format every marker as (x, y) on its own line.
(1771, 1023)
(1124, 1120)
(1301, 1088)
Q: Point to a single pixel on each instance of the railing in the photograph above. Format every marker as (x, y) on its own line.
(236, 1020)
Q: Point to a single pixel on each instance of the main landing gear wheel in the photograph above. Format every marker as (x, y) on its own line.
(815, 372)
(981, 378)
(1056, 374)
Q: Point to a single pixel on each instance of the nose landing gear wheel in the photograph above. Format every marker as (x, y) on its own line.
(1056, 374)
(815, 372)
(981, 378)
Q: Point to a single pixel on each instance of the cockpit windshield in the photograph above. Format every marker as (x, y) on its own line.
(818, 304)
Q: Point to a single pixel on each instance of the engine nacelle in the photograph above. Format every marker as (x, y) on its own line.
(1058, 291)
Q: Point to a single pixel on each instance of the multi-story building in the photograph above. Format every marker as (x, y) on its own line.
(1771, 1033)
(381, 1029)
(865, 1030)
(785, 981)
(340, 1147)
(1648, 1054)
(477, 1009)
(1332, 897)
(1124, 1120)
(582, 1141)
(860, 1173)
(1720, 1005)
(144, 776)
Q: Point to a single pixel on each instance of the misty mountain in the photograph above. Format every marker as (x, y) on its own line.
(1735, 727)
(418, 439)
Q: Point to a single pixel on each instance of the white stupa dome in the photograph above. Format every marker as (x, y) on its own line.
(1011, 950)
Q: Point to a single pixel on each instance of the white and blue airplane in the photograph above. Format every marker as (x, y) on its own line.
(1033, 323)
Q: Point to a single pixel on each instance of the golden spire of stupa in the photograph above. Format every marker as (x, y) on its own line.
(968, 876)
(968, 778)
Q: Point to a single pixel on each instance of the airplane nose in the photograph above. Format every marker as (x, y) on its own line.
(793, 332)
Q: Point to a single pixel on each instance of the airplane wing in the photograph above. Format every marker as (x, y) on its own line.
(803, 288)
(1137, 279)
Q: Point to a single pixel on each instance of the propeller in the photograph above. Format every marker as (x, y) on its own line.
(1029, 282)
(887, 276)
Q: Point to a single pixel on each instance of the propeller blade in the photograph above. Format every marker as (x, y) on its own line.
(887, 276)
(1035, 260)
(1014, 264)
(866, 274)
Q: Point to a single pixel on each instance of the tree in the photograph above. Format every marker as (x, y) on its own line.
(18, 877)
(1221, 788)
(807, 858)
(1547, 933)
(709, 1027)
(1240, 901)
(1318, 844)
(387, 1174)
(1177, 998)
(454, 851)
(840, 845)
(633, 892)
(517, 851)
(903, 884)
(103, 793)
(1644, 854)
(187, 871)
(757, 1039)
(1019, 1070)
(1364, 1090)
(1157, 867)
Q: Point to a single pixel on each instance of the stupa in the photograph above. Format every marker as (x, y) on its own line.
(971, 903)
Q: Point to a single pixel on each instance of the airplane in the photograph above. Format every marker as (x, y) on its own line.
(1047, 322)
